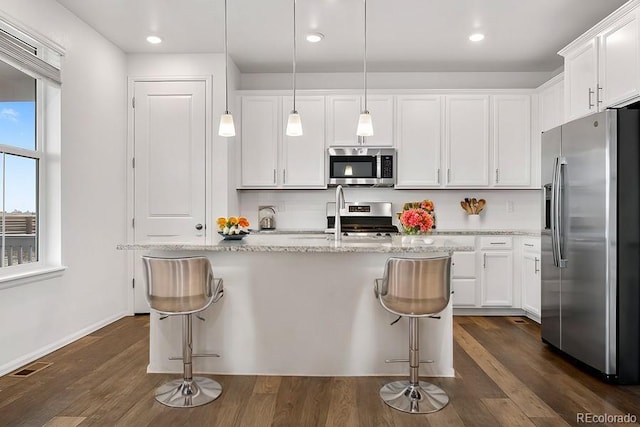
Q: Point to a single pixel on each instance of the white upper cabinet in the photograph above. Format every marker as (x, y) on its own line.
(343, 112)
(419, 139)
(259, 140)
(381, 108)
(551, 104)
(602, 67)
(619, 58)
(303, 157)
(467, 140)
(511, 140)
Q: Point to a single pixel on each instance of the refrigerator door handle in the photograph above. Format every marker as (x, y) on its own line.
(561, 171)
(554, 224)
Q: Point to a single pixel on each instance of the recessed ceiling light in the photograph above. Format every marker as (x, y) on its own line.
(476, 37)
(314, 37)
(154, 39)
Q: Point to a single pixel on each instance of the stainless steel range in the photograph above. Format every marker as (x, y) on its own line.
(372, 219)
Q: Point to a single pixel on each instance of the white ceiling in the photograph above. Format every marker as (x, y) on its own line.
(403, 35)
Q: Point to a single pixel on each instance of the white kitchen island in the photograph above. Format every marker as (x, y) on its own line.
(299, 304)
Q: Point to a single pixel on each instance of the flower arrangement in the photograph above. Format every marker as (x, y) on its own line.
(233, 225)
(417, 217)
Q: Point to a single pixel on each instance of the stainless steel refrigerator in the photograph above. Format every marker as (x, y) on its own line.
(591, 242)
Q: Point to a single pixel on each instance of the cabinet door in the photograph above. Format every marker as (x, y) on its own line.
(303, 156)
(259, 146)
(467, 140)
(381, 108)
(419, 140)
(464, 292)
(343, 112)
(580, 81)
(551, 106)
(511, 140)
(620, 61)
(497, 279)
(531, 282)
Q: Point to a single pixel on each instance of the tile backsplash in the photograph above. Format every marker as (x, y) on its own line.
(306, 209)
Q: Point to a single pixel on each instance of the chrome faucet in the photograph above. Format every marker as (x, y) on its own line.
(339, 205)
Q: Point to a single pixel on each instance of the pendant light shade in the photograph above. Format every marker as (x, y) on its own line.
(226, 127)
(294, 124)
(365, 125)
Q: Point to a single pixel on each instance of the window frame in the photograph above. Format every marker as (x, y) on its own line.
(48, 155)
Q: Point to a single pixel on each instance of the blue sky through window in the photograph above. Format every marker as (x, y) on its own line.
(18, 129)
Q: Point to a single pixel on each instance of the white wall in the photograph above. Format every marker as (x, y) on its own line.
(407, 80)
(306, 210)
(223, 154)
(38, 317)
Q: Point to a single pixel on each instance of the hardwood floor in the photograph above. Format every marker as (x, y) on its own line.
(504, 376)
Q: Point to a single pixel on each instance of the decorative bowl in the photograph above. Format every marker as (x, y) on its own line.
(233, 236)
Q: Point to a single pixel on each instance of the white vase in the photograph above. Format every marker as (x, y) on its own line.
(473, 221)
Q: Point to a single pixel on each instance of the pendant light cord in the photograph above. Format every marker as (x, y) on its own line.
(226, 63)
(365, 55)
(294, 55)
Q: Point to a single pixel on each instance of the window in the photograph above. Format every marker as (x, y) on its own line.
(29, 120)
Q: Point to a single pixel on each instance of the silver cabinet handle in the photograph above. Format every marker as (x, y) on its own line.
(497, 176)
(484, 260)
(284, 176)
(497, 243)
(591, 105)
(598, 100)
(438, 175)
(528, 244)
(448, 176)
(274, 176)
(536, 260)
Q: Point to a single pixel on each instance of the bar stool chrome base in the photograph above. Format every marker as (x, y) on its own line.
(423, 398)
(187, 394)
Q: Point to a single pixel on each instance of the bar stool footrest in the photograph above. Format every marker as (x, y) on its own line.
(187, 394)
(422, 398)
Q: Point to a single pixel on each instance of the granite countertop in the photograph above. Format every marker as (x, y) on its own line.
(531, 233)
(312, 243)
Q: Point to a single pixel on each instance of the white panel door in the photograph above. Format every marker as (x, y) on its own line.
(303, 157)
(511, 140)
(581, 81)
(551, 106)
(531, 292)
(260, 136)
(381, 109)
(343, 112)
(170, 161)
(620, 61)
(419, 140)
(467, 140)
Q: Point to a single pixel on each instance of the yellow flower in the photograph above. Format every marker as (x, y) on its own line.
(221, 222)
(233, 220)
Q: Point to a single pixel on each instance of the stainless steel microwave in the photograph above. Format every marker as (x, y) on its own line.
(364, 166)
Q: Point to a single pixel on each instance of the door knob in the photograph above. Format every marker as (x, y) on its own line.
(198, 226)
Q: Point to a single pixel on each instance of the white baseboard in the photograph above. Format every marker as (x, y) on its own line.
(34, 355)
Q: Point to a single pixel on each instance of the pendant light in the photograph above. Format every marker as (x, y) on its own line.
(365, 127)
(227, 127)
(294, 124)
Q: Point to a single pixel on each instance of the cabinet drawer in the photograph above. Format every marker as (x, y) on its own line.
(463, 264)
(496, 242)
(531, 245)
(464, 292)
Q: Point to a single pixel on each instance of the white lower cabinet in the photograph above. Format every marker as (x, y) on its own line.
(497, 279)
(530, 264)
(463, 279)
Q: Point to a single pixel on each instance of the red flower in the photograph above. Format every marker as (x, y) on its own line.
(416, 220)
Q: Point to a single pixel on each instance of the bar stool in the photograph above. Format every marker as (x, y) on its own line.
(183, 286)
(415, 288)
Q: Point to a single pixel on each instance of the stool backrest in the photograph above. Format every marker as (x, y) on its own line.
(178, 285)
(416, 286)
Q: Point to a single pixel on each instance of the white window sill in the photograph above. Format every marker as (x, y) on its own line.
(24, 277)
